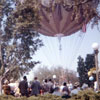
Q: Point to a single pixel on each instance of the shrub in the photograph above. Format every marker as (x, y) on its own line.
(86, 95)
(45, 97)
(83, 95)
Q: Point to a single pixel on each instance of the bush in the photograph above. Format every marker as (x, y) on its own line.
(86, 95)
(83, 95)
(45, 97)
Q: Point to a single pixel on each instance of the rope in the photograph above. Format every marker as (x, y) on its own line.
(77, 49)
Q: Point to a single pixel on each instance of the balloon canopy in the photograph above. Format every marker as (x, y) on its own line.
(60, 17)
(58, 22)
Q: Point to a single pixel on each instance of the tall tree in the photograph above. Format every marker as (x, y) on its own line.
(84, 67)
(81, 70)
(17, 44)
(90, 63)
(5, 9)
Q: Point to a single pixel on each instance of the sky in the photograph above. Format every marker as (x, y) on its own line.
(72, 46)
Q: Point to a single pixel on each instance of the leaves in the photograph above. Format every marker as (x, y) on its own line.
(19, 38)
(84, 67)
(45, 97)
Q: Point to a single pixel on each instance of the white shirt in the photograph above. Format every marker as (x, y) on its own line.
(70, 86)
(12, 86)
(61, 88)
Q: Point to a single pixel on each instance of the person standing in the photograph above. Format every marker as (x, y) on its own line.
(23, 86)
(35, 87)
(50, 85)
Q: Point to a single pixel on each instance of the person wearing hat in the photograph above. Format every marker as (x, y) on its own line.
(76, 89)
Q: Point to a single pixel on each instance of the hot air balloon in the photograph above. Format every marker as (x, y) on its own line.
(64, 17)
(61, 19)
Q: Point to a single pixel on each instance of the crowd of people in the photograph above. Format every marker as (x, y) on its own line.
(66, 90)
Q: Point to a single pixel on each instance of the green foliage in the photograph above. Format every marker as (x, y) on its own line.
(83, 95)
(86, 95)
(81, 70)
(45, 97)
(84, 67)
(18, 44)
(90, 61)
(26, 16)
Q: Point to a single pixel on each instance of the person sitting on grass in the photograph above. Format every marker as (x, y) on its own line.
(57, 92)
(65, 91)
(75, 90)
(6, 88)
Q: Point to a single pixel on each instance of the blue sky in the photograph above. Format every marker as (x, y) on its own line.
(72, 46)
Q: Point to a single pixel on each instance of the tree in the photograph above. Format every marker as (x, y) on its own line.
(84, 10)
(90, 63)
(84, 67)
(17, 44)
(61, 74)
(81, 70)
(4, 11)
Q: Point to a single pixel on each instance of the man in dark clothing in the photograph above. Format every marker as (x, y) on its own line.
(65, 91)
(23, 86)
(35, 87)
